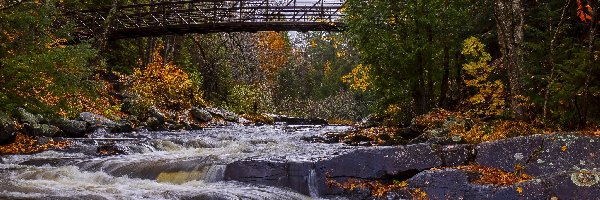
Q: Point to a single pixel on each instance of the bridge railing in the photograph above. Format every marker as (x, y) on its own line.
(238, 15)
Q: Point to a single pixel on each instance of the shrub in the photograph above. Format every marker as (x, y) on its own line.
(165, 85)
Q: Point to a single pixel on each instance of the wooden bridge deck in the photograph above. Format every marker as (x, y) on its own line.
(210, 16)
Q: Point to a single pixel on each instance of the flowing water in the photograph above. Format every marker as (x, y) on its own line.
(164, 165)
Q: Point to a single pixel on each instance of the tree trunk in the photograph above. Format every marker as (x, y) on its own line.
(509, 21)
(591, 63)
(445, 77)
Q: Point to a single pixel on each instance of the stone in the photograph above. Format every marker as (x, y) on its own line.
(7, 129)
(95, 121)
(41, 130)
(299, 121)
(201, 114)
(26, 117)
(124, 126)
(71, 128)
(541, 155)
(157, 114)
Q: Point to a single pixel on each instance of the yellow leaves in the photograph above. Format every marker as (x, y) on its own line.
(483, 132)
(165, 85)
(272, 53)
(563, 148)
(494, 176)
(56, 42)
(358, 78)
(377, 188)
(519, 190)
(489, 99)
(26, 145)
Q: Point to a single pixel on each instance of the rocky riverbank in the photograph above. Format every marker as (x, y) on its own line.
(563, 166)
(38, 126)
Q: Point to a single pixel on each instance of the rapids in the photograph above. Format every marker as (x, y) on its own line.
(164, 165)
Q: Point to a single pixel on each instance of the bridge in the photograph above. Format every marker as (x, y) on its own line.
(210, 16)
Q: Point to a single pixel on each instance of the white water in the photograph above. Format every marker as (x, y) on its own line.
(167, 165)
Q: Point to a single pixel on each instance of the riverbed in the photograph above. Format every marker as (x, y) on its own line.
(166, 165)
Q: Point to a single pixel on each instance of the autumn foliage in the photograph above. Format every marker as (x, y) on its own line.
(165, 85)
(488, 99)
(27, 145)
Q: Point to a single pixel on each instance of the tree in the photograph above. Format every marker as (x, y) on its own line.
(510, 22)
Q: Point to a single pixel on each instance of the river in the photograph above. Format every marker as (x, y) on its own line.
(166, 165)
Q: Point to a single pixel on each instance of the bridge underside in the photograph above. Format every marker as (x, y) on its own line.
(223, 28)
(171, 17)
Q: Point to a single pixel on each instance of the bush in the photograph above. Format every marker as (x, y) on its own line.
(165, 86)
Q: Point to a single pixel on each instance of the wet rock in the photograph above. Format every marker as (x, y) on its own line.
(109, 150)
(71, 128)
(155, 124)
(375, 163)
(124, 126)
(291, 175)
(26, 117)
(299, 121)
(7, 129)
(371, 121)
(225, 114)
(40, 130)
(157, 114)
(95, 121)
(201, 114)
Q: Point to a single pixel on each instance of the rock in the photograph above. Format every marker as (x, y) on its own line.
(41, 130)
(157, 114)
(225, 114)
(7, 129)
(370, 121)
(124, 126)
(299, 121)
(457, 184)
(541, 155)
(365, 164)
(26, 117)
(201, 114)
(95, 121)
(154, 124)
(71, 128)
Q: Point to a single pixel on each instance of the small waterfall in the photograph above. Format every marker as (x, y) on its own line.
(214, 173)
(313, 190)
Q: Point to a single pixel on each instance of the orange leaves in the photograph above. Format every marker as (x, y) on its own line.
(26, 145)
(358, 78)
(165, 85)
(494, 176)
(272, 53)
(584, 14)
(377, 188)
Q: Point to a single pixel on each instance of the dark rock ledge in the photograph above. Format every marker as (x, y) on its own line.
(563, 166)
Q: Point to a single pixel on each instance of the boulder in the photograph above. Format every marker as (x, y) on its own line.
(95, 121)
(458, 184)
(157, 114)
(7, 129)
(201, 114)
(540, 155)
(26, 117)
(124, 126)
(71, 128)
(299, 121)
(39, 130)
